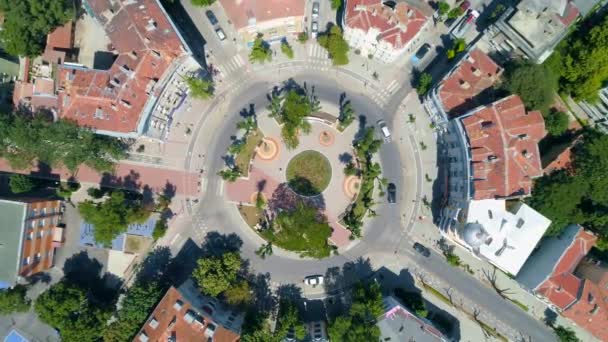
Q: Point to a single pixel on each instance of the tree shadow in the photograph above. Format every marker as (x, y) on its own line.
(264, 298)
(362, 121)
(261, 185)
(284, 198)
(41, 277)
(345, 158)
(128, 182)
(289, 292)
(86, 273)
(550, 317)
(147, 197)
(229, 160)
(248, 112)
(155, 265)
(169, 190)
(216, 244)
(337, 279)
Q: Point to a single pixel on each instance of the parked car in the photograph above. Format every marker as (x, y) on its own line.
(314, 280)
(391, 193)
(220, 33)
(315, 10)
(212, 18)
(419, 55)
(386, 134)
(315, 29)
(422, 250)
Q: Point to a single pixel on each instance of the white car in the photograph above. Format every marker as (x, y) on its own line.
(220, 33)
(386, 134)
(314, 280)
(315, 29)
(315, 10)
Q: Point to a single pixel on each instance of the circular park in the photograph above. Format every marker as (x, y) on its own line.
(308, 173)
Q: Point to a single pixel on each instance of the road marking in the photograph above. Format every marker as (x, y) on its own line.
(174, 239)
(220, 191)
(203, 184)
(392, 86)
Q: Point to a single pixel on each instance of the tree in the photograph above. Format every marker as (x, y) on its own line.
(443, 8)
(160, 228)
(303, 37)
(264, 250)
(557, 123)
(95, 193)
(65, 143)
(202, 3)
(339, 328)
(20, 183)
(248, 124)
(335, 4)
(534, 83)
(347, 115)
(237, 146)
(112, 216)
(135, 307)
(336, 46)
(455, 12)
(459, 44)
(260, 51)
(27, 23)
(230, 174)
(14, 300)
(351, 169)
(238, 294)
(423, 84)
(200, 88)
(360, 322)
(287, 49)
(68, 309)
(292, 113)
(565, 334)
(260, 202)
(215, 275)
(289, 319)
(413, 301)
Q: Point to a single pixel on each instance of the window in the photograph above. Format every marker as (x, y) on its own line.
(41, 223)
(32, 223)
(37, 257)
(26, 261)
(34, 212)
(520, 223)
(30, 235)
(43, 211)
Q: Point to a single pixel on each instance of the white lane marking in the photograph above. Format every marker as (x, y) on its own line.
(174, 239)
(220, 190)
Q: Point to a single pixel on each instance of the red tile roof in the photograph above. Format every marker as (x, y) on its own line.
(591, 310)
(113, 100)
(473, 75)
(397, 27)
(570, 14)
(57, 43)
(563, 286)
(240, 11)
(35, 96)
(504, 148)
(171, 322)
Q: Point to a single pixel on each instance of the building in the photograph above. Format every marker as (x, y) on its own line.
(398, 324)
(384, 29)
(460, 91)
(492, 153)
(576, 285)
(183, 314)
(532, 29)
(29, 235)
(148, 50)
(503, 236)
(275, 19)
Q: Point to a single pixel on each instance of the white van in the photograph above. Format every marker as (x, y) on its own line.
(385, 132)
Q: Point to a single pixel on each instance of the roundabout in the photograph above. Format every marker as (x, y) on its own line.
(383, 233)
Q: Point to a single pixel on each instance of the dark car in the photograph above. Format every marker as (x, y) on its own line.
(391, 193)
(424, 49)
(212, 18)
(422, 250)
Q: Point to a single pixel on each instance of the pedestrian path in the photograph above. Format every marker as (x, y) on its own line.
(318, 58)
(229, 67)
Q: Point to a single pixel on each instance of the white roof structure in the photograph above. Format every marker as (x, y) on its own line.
(505, 238)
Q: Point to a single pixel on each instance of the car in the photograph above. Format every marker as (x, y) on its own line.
(212, 18)
(314, 280)
(424, 49)
(315, 10)
(422, 250)
(220, 33)
(386, 134)
(315, 28)
(391, 193)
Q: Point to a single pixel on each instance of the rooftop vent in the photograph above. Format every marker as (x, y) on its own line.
(476, 71)
(189, 316)
(125, 103)
(133, 55)
(486, 124)
(470, 59)
(464, 84)
(151, 26)
(520, 223)
(492, 157)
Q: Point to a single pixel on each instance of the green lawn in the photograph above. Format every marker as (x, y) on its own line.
(243, 158)
(301, 231)
(309, 173)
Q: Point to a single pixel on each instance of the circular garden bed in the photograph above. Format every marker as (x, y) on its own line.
(308, 173)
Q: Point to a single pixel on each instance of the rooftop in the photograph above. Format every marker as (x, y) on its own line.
(398, 324)
(475, 73)
(396, 26)
(244, 13)
(121, 242)
(503, 139)
(58, 42)
(11, 234)
(146, 45)
(176, 316)
(506, 238)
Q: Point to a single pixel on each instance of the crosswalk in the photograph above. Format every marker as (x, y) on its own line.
(318, 57)
(383, 95)
(229, 67)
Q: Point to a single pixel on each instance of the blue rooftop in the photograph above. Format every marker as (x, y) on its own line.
(139, 229)
(14, 336)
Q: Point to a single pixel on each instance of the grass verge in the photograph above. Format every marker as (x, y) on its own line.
(437, 294)
(242, 159)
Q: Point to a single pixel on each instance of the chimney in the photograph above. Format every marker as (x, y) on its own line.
(410, 13)
(470, 59)
(476, 71)
(464, 84)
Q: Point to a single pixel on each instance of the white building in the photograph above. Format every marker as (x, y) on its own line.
(384, 30)
(504, 237)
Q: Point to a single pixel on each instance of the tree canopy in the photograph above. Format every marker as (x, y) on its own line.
(534, 83)
(27, 140)
(20, 183)
(260, 51)
(359, 324)
(577, 195)
(27, 23)
(336, 46)
(202, 3)
(556, 123)
(565, 334)
(68, 309)
(289, 318)
(200, 88)
(291, 111)
(216, 274)
(112, 216)
(14, 300)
